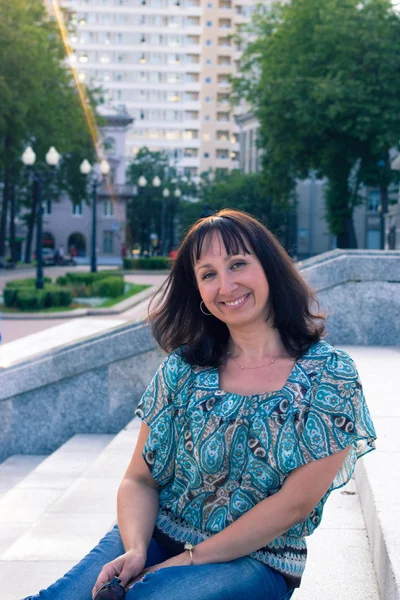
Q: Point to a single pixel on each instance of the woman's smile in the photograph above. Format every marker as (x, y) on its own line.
(236, 303)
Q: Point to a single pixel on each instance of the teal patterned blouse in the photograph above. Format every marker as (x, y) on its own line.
(216, 454)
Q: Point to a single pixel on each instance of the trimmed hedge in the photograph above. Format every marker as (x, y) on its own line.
(158, 263)
(110, 287)
(25, 283)
(29, 298)
(85, 278)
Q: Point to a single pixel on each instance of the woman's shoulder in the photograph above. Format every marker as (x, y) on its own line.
(332, 361)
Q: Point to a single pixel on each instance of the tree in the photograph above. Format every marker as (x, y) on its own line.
(242, 191)
(39, 104)
(149, 211)
(323, 78)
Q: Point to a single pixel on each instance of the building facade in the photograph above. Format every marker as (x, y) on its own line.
(169, 62)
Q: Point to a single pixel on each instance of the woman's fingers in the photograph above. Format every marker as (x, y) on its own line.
(109, 571)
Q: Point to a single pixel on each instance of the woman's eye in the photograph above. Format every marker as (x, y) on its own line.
(237, 264)
(207, 276)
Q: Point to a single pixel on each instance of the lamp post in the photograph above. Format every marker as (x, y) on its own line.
(85, 169)
(52, 160)
(177, 195)
(142, 182)
(166, 194)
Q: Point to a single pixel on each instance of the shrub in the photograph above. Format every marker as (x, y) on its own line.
(31, 299)
(62, 280)
(89, 278)
(9, 295)
(158, 263)
(25, 283)
(111, 287)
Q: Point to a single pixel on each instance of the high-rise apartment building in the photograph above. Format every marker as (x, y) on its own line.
(169, 62)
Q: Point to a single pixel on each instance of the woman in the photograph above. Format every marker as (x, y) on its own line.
(248, 425)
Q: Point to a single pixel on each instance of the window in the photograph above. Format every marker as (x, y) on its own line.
(208, 79)
(108, 238)
(77, 209)
(206, 137)
(208, 61)
(208, 98)
(223, 135)
(108, 208)
(209, 23)
(224, 154)
(208, 42)
(206, 155)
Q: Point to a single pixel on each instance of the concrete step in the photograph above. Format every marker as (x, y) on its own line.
(17, 467)
(339, 564)
(59, 512)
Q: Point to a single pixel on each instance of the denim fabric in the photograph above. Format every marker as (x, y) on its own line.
(240, 579)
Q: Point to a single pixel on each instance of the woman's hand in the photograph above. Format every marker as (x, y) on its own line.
(176, 561)
(125, 567)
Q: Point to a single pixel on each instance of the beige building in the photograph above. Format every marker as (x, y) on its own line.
(169, 62)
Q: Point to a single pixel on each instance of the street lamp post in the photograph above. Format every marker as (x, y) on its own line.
(142, 182)
(52, 160)
(177, 195)
(85, 169)
(166, 194)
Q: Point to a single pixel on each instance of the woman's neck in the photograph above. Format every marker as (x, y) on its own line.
(256, 343)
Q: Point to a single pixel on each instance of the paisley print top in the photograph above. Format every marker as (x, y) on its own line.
(216, 454)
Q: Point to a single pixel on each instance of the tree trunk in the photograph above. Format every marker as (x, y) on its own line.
(339, 206)
(384, 196)
(13, 245)
(29, 235)
(4, 214)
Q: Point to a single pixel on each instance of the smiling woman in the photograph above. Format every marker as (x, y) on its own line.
(248, 425)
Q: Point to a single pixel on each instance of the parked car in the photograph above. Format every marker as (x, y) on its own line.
(48, 256)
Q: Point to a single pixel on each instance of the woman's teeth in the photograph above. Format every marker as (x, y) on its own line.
(239, 301)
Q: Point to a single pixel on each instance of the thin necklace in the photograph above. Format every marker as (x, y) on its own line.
(248, 368)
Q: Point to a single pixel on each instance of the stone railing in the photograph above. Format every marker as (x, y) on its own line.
(95, 385)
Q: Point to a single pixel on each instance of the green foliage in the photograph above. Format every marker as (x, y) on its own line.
(30, 299)
(9, 296)
(25, 283)
(39, 105)
(157, 263)
(323, 78)
(110, 287)
(86, 278)
(149, 211)
(248, 192)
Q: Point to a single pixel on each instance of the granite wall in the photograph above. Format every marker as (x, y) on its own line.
(88, 387)
(360, 292)
(95, 385)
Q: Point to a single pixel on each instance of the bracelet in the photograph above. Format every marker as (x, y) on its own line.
(189, 547)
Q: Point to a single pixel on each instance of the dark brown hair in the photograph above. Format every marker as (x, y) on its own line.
(177, 321)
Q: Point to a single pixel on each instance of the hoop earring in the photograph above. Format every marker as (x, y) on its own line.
(204, 313)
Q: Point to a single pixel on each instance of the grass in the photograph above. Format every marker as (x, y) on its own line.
(134, 288)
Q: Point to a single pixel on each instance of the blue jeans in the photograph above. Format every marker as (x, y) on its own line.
(240, 579)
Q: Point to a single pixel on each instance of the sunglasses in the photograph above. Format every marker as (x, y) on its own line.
(112, 590)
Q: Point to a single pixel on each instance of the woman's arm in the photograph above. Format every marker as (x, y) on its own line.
(137, 513)
(270, 518)
(137, 500)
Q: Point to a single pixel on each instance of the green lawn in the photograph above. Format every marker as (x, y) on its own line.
(135, 288)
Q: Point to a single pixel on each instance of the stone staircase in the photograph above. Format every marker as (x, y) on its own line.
(57, 508)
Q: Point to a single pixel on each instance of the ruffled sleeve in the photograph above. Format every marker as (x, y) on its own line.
(337, 417)
(161, 408)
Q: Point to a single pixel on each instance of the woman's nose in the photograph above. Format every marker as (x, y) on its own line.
(226, 285)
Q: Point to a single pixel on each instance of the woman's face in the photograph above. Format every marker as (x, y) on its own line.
(233, 287)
